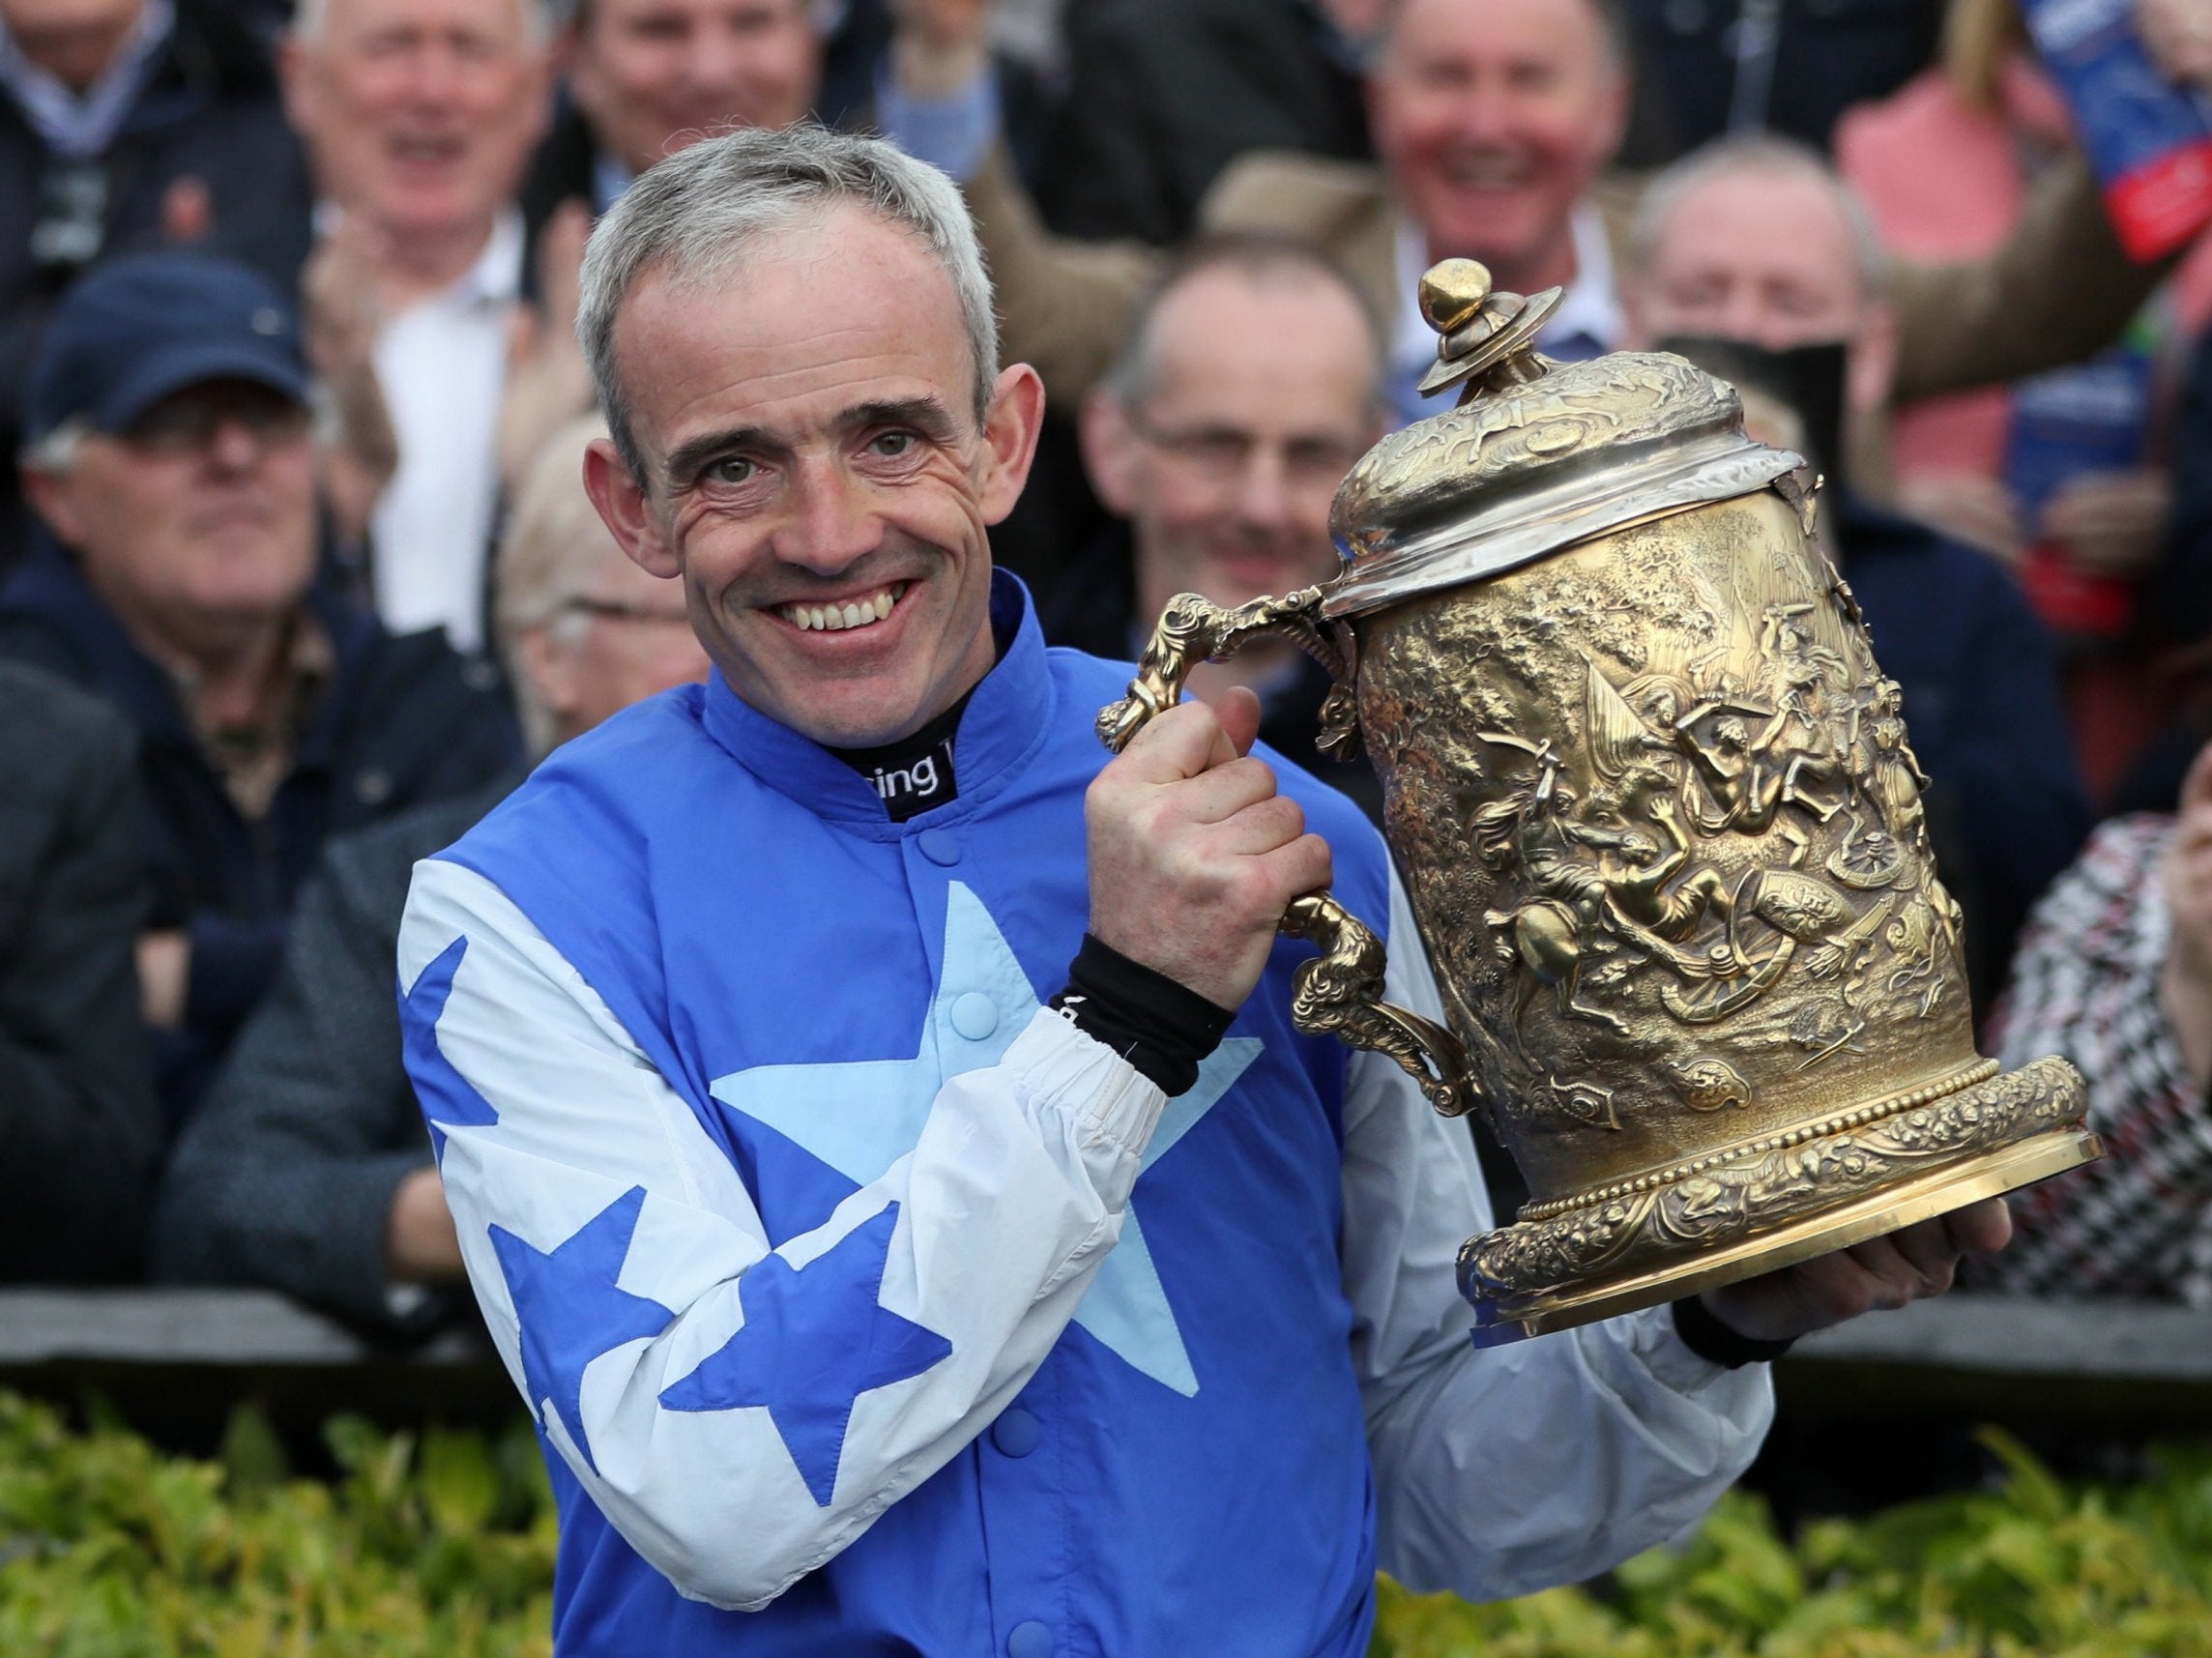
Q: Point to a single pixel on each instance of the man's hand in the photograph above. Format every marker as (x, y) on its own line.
(1194, 855)
(940, 46)
(548, 383)
(2185, 979)
(342, 315)
(1884, 1274)
(2111, 523)
(164, 976)
(420, 1246)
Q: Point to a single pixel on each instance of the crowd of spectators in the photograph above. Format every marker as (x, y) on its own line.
(297, 573)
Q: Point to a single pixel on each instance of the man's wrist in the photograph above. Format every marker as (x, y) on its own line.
(1706, 1334)
(1161, 1026)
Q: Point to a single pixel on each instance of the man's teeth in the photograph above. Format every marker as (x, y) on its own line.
(1487, 171)
(856, 613)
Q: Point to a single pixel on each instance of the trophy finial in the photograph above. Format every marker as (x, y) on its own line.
(1485, 339)
(1452, 292)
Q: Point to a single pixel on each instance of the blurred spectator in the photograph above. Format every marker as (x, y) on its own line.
(645, 77)
(1492, 120)
(124, 123)
(1162, 95)
(2116, 973)
(2059, 476)
(309, 1170)
(1250, 384)
(168, 453)
(1756, 241)
(79, 1133)
(1780, 66)
(420, 116)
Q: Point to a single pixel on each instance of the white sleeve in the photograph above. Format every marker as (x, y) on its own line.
(652, 1310)
(1504, 1470)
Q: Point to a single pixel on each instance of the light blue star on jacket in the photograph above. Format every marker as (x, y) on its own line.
(861, 1117)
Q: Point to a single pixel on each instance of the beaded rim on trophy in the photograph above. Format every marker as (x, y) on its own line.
(1661, 825)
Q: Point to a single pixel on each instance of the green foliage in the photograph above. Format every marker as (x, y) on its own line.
(2035, 1569)
(439, 1545)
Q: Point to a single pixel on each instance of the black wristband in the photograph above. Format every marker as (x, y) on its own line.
(1708, 1338)
(1162, 1027)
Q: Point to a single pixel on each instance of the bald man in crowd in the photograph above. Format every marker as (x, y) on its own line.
(1756, 243)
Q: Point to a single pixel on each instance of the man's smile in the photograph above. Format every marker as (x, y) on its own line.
(832, 615)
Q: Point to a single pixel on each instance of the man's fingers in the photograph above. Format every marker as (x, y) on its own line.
(1238, 708)
(2196, 786)
(1187, 741)
(1985, 1228)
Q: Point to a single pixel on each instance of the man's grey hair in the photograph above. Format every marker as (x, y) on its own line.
(55, 449)
(1257, 255)
(539, 19)
(1759, 153)
(1617, 35)
(550, 551)
(693, 217)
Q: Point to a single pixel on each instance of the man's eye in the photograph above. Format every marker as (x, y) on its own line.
(892, 444)
(731, 469)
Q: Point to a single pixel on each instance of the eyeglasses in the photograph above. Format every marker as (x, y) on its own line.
(620, 610)
(1224, 455)
(189, 423)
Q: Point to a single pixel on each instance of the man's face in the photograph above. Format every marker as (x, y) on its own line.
(70, 39)
(1493, 117)
(815, 475)
(652, 75)
(421, 114)
(1766, 256)
(196, 523)
(622, 637)
(1262, 398)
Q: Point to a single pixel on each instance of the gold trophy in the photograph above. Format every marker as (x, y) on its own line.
(1661, 825)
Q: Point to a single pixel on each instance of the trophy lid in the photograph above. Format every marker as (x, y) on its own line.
(1536, 454)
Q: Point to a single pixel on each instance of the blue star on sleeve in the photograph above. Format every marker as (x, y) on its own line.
(448, 1099)
(571, 1310)
(815, 1338)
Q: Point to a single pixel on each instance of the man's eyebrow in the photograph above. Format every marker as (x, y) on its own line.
(687, 458)
(926, 414)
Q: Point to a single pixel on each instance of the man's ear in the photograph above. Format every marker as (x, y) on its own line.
(1618, 99)
(1010, 428)
(550, 667)
(1107, 439)
(1873, 367)
(626, 510)
(49, 497)
(292, 78)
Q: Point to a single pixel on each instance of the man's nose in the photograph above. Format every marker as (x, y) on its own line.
(1264, 489)
(234, 446)
(831, 522)
(714, 64)
(435, 77)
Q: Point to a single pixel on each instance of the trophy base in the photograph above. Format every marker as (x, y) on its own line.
(1767, 1214)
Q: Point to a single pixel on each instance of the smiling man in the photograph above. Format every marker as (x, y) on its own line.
(865, 1301)
(1249, 384)
(419, 117)
(170, 463)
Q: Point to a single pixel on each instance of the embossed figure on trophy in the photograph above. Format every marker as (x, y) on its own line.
(1710, 1084)
(1609, 898)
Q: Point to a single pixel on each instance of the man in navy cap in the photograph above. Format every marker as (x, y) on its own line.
(168, 453)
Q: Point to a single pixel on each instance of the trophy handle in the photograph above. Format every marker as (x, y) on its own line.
(1341, 989)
